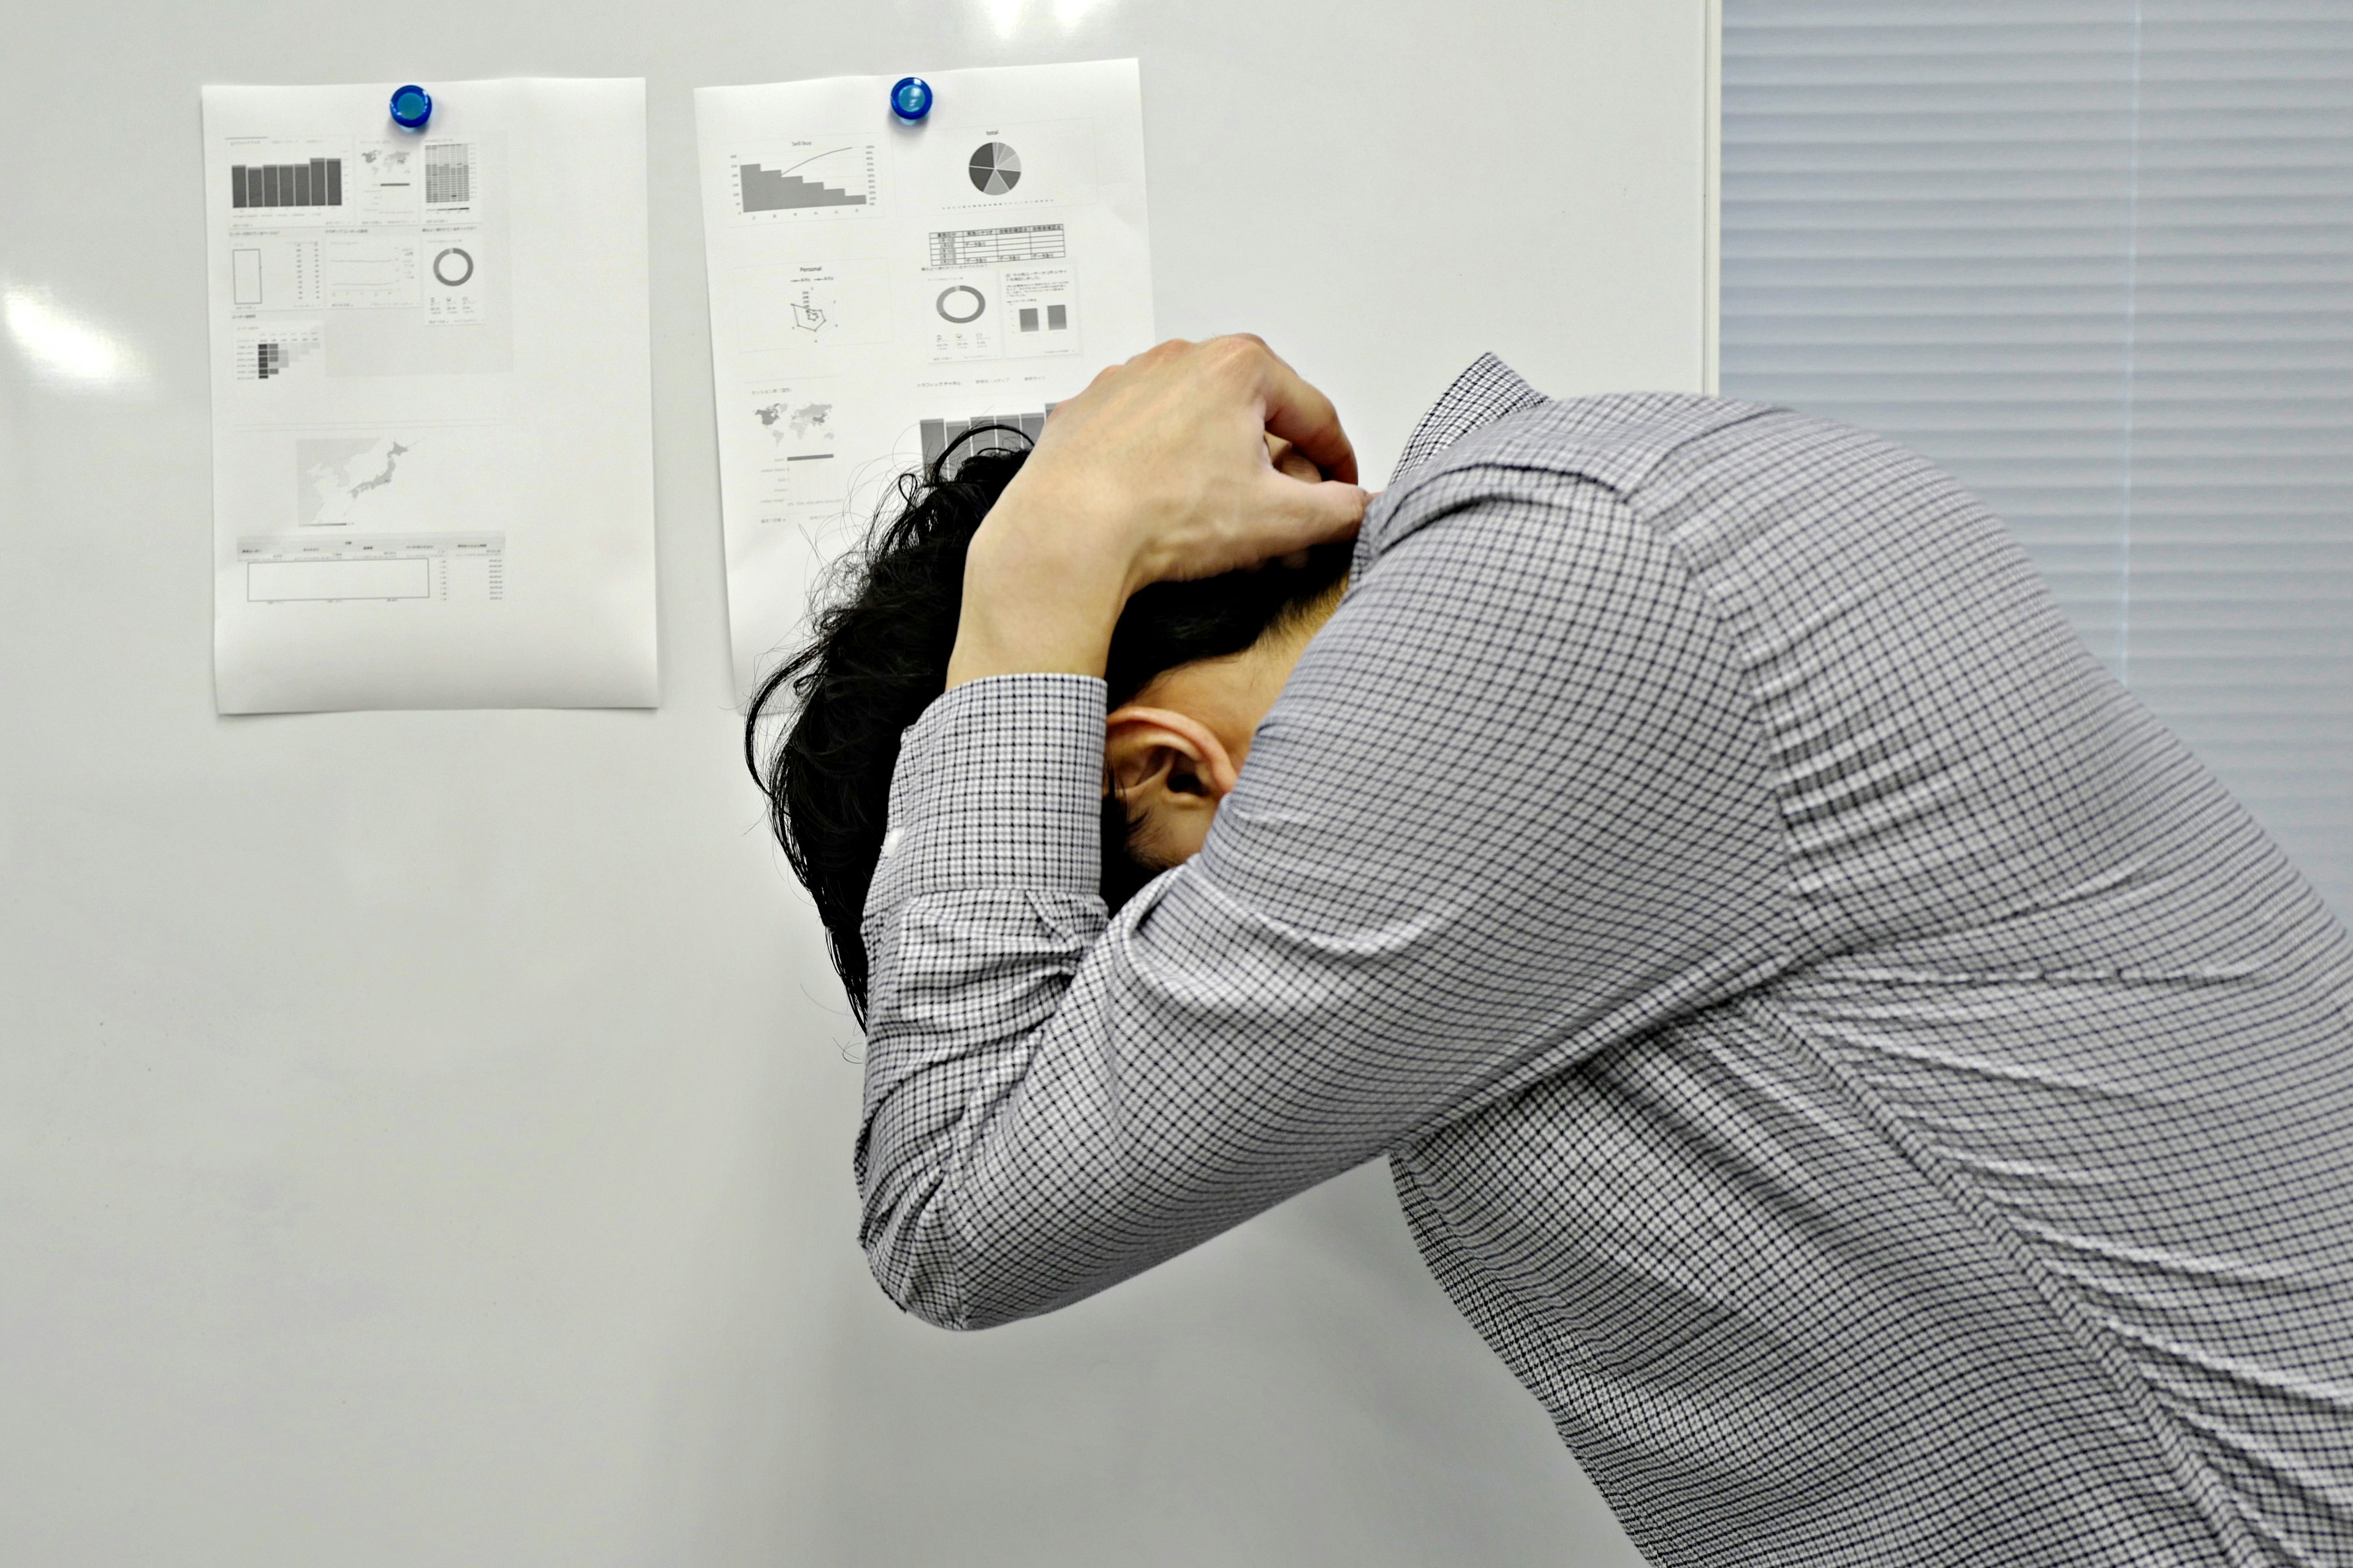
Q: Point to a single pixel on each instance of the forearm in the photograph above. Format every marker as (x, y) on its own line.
(983, 907)
(997, 1173)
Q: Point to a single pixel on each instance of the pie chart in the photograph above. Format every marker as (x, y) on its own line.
(996, 168)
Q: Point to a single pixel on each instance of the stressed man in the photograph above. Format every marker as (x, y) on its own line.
(1861, 1072)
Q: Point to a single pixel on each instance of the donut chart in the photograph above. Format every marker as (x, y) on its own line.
(960, 303)
(996, 168)
(453, 266)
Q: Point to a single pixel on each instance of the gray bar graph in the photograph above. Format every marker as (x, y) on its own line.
(316, 183)
(449, 172)
(767, 191)
(998, 433)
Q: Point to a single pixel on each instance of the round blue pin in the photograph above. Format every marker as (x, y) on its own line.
(911, 98)
(412, 106)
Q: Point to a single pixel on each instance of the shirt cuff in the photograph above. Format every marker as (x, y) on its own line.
(999, 784)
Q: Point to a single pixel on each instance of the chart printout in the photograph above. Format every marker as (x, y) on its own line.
(432, 398)
(880, 289)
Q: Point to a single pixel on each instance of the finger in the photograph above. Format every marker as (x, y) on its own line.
(1299, 414)
(1299, 514)
(1287, 459)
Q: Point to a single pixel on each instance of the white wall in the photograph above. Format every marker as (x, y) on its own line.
(423, 1137)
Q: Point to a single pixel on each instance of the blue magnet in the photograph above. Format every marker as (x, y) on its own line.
(412, 106)
(911, 98)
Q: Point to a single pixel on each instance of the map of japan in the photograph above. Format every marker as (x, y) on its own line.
(392, 456)
(336, 475)
(422, 479)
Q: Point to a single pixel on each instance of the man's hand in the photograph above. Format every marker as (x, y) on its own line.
(1164, 467)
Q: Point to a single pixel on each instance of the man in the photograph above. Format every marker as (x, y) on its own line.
(1860, 1071)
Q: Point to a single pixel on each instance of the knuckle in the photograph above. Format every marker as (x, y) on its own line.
(1240, 355)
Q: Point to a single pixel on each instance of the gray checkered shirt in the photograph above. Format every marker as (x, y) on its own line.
(1860, 1072)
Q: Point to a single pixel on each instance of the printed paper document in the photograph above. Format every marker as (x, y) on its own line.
(879, 289)
(432, 422)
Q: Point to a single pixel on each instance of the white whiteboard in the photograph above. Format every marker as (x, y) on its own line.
(423, 1137)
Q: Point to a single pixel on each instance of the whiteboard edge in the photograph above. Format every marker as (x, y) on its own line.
(1712, 197)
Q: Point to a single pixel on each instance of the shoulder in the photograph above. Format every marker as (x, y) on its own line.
(1534, 533)
(1530, 460)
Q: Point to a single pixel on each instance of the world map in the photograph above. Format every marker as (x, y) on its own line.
(788, 422)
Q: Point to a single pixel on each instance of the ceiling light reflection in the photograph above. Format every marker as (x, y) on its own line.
(67, 349)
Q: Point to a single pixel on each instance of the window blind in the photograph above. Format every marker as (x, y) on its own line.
(2098, 259)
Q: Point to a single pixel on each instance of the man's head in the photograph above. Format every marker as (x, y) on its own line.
(1193, 666)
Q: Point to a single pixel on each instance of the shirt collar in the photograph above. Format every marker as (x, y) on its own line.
(1482, 394)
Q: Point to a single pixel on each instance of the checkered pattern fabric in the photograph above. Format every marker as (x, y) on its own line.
(1861, 1073)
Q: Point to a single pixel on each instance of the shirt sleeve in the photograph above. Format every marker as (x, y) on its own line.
(1512, 807)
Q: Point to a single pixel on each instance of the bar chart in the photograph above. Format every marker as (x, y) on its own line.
(997, 433)
(830, 181)
(449, 172)
(319, 183)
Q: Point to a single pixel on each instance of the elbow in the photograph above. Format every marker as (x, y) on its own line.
(912, 1249)
(912, 1297)
(924, 1263)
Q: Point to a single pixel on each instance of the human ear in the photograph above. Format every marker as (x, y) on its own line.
(1159, 757)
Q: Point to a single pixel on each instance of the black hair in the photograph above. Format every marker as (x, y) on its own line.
(878, 656)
